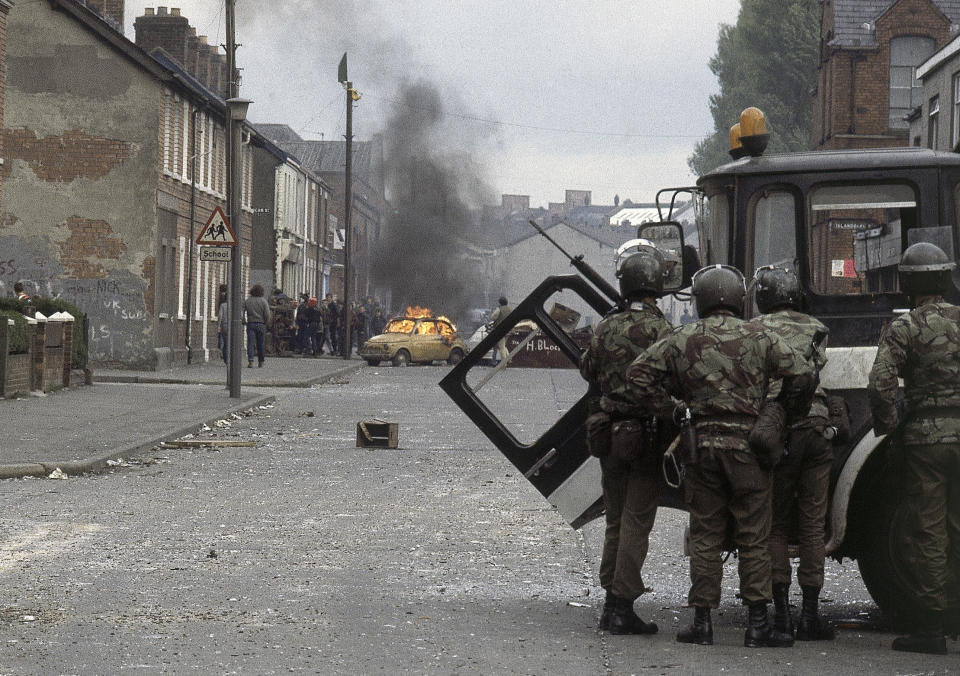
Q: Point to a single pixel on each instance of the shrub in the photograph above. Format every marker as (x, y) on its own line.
(49, 306)
(20, 335)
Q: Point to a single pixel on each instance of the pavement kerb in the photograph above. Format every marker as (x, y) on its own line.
(97, 463)
(160, 380)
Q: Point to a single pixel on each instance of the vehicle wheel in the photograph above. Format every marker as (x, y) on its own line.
(887, 566)
(456, 356)
(401, 358)
(373, 362)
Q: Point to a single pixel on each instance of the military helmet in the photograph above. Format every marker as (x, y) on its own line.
(924, 270)
(718, 287)
(641, 273)
(777, 287)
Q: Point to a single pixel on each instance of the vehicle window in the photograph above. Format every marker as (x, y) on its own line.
(774, 220)
(713, 247)
(399, 326)
(426, 328)
(446, 330)
(857, 234)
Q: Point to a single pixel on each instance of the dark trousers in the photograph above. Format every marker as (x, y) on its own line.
(728, 486)
(933, 501)
(222, 344)
(255, 336)
(630, 496)
(303, 336)
(801, 483)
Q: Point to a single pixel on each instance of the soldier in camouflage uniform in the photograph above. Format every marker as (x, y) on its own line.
(801, 480)
(630, 490)
(720, 367)
(923, 348)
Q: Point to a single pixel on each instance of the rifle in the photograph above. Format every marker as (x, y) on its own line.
(584, 269)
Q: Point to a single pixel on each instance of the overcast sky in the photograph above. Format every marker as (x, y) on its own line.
(605, 95)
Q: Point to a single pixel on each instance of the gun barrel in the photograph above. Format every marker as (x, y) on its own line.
(584, 268)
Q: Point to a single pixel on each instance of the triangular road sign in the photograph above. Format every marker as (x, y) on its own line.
(217, 231)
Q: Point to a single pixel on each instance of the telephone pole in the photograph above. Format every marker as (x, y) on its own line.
(352, 95)
(236, 113)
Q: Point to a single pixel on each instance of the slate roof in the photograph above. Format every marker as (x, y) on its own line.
(849, 16)
(278, 133)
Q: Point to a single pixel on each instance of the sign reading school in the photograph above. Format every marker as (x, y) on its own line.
(217, 231)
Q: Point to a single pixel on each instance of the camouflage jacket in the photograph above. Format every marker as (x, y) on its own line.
(923, 348)
(797, 330)
(720, 367)
(618, 340)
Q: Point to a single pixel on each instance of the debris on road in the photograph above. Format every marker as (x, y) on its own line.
(57, 474)
(200, 443)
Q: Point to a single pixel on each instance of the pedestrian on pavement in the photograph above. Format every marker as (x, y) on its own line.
(303, 337)
(360, 326)
(223, 322)
(19, 291)
(314, 328)
(377, 323)
(720, 367)
(801, 480)
(257, 315)
(628, 447)
(923, 348)
(496, 316)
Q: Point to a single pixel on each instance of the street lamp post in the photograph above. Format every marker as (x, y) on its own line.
(236, 114)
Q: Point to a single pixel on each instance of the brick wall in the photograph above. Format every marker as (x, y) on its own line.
(112, 10)
(864, 75)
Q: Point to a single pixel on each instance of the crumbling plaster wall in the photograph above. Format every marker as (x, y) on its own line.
(80, 176)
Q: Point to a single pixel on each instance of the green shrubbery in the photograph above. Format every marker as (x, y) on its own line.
(19, 334)
(49, 306)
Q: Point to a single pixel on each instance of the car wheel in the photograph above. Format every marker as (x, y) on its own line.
(401, 358)
(373, 362)
(456, 356)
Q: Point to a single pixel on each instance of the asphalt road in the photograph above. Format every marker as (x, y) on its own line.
(307, 554)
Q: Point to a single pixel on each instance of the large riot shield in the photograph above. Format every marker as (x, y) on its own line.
(557, 462)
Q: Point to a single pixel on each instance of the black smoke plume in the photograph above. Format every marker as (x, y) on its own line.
(435, 187)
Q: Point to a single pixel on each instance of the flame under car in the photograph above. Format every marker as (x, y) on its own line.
(415, 340)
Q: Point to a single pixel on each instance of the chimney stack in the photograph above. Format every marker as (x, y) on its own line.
(110, 10)
(167, 28)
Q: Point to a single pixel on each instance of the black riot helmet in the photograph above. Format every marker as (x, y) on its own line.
(777, 287)
(718, 287)
(924, 270)
(641, 274)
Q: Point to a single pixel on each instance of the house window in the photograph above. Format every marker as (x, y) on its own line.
(906, 53)
(933, 134)
(955, 114)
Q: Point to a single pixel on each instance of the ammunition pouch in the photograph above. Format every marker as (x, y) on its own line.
(635, 444)
(839, 412)
(767, 437)
(598, 434)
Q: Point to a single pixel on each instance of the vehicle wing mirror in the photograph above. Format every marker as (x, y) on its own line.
(667, 236)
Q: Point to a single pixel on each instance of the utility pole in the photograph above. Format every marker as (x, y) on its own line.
(352, 95)
(236, 113)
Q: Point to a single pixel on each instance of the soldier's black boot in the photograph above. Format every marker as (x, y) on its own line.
(760, 634)
(606, 613)
(782, 620)
(701, 631)
(928, 637)
(624, 621)
(811, 626)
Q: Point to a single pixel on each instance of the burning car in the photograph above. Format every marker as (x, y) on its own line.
(417, 337)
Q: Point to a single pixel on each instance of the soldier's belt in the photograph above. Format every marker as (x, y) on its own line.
(725, 422)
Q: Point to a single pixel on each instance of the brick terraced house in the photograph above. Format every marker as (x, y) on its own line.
(109, 150)
(869, 53)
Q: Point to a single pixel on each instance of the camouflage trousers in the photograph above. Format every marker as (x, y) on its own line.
(933, 501)
(801, 483)
(630, 496)
(728, 487)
